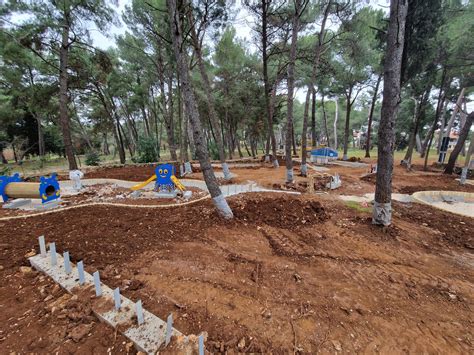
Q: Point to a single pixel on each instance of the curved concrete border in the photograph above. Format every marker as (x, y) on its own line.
(463, 202)
(227, 190)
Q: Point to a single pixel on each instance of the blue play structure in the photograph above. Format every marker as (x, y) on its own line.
(325, 152)
(163, 173)
(165, 180)
(14, 187)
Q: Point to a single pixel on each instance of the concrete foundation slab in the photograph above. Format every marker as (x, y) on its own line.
(457, 202)
(17, 203)
(149, 337)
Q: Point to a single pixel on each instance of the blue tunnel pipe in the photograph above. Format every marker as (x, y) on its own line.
(13, 187)
(46, 184)
(4, 181)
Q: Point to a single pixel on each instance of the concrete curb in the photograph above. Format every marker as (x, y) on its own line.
(439, 199)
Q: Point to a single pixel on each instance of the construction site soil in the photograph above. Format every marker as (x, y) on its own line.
(290, 273)
(403, 181)
(111, 194)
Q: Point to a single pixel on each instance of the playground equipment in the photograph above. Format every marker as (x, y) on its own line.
(13, 187)
(166, 182)
(76, 176)
(335, 182)
(323, 155)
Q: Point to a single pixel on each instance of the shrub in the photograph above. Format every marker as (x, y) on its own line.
(92, 158)
(146, 151)
(5, 170)
(213, 151)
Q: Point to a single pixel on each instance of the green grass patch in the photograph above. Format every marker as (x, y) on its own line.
(357, 206)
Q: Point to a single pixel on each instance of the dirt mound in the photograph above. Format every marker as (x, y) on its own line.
(253, 285)
(39, 317)
(354, 160)
(284, 211)
(320, 183)
(452, 229)
(441, 186)
(371, 177)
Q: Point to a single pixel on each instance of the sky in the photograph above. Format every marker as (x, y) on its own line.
(243, 23)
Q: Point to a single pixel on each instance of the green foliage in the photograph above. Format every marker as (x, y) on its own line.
(358, 206)
(92, 158)
(423, 21)
(5, 169)
(146, 151)
(133, 88)
(213, 152)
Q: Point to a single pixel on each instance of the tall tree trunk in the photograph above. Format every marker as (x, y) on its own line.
(451, 121)
(313, 118)
(85, 136)
(84, 133)
(15, 156)
(130, 121)
(304, 167)
(336, 115)
(2, 156)
(121, 148)
(325, 120)
(215, 126)
(114, 116)
(346, 127)
(411, 137)
(458, 147)
(118, 144)
(63, 98)
(418, 142)
(382, 211)
(126, 140)
(105, 144)
(41, 147)
(371, 115)
(167, 111)
(192, 112)
(426, 146)
(293, 139)
(170, 121)
(155, 123)
(427, 149)
(470, 150)
(441, 94)
(441, 128)
(183, 150)
(291, 87)
(266, 83)
(237, 140)
(463, 121)
(319, 44)
(142, 109)
(249, 153)
(414, 134)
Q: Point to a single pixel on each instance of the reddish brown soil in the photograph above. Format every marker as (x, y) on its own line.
(355, 181)
(289, 273)
(128, 172)
(352, 184)
(36, 316)
(108, 193)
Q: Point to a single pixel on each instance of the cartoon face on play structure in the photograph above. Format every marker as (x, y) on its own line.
(163, 174)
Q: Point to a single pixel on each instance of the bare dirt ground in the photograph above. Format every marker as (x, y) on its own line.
(110, 193)
(403, 181)
(289, 273)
